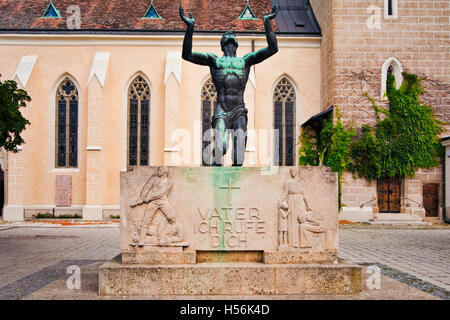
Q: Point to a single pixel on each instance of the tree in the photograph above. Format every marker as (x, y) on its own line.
(330, 148)
(12, 123)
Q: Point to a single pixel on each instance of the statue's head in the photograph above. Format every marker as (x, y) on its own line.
(228, 37)
(294, 172)
(163, 171)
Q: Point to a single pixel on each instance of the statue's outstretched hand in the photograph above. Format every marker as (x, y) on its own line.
(271, 16)
(189, 22)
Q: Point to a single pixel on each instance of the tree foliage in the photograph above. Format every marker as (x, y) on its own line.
(12, 122)
(331, 148)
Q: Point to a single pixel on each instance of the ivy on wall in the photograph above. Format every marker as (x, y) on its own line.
(330, 148)
(405, 138)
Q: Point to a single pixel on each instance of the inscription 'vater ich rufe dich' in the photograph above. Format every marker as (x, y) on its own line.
(230, 227)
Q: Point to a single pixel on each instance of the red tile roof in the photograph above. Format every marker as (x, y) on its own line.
(210, 15)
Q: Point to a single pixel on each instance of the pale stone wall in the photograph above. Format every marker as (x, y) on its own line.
(103, 107)
(325, 13)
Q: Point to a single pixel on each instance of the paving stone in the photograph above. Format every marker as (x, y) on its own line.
(419, 252)
(420, 256)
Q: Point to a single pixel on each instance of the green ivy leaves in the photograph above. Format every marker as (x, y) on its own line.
(405, 138)
(331, 148)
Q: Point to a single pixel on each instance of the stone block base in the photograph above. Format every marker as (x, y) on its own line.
(299, 257)
(228, 279)
(356, 214)
(159, 257)
(13, 213)
(92, 213)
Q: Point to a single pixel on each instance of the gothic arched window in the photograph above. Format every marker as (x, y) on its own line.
(209, 102)
(138, 122)
(391, 67)
(67, 125)
(284, 122)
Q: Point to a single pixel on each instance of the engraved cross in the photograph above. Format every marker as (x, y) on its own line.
(230, 188)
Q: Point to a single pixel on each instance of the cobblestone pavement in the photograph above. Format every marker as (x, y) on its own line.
(25, 251)
(29, 255)
(424, 254)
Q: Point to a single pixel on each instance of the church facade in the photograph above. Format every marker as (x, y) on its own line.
(116, 94)
(110, 90)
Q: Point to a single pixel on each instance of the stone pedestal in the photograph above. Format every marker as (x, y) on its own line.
(226, 231)
(228, 278)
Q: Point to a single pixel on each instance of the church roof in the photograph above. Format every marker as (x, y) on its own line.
(107, 16)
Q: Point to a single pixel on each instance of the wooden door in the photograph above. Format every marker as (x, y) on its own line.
(430, 199)
(389, 195)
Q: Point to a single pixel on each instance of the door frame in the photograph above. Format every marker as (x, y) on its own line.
(440, 196)
(400, 197)
(437, 198)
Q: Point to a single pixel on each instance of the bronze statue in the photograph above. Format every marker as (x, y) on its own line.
(230, 75)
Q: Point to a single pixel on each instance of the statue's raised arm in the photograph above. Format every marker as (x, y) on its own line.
(272, 44)
(194, 57)
(229, 74)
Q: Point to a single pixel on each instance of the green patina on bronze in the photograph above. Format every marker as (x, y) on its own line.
(231, 65)
(230, 74)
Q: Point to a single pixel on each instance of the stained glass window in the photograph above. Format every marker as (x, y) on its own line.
(138, 122)
(284, 122)
(67, 125)
(209, 102)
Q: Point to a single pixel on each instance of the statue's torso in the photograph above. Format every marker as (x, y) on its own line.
(230, 76)
(296, 197)
(159, 183)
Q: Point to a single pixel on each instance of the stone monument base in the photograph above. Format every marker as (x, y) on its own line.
(229, 231)
(228, 278)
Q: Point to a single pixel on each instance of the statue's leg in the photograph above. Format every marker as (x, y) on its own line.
(147, 221)
(167, 210)
(239, 141)
(220, 142)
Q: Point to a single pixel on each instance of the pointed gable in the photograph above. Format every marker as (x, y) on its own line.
(151, 13)
(51, 11)
(248, 13)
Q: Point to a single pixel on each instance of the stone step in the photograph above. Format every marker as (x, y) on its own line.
(397, 217)
(116, 279)
(402, 223)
